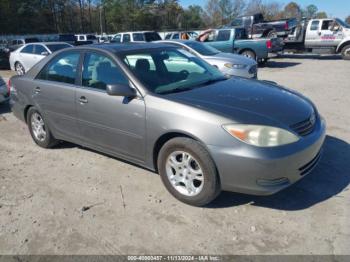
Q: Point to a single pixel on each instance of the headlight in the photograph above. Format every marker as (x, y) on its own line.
(261, 136)
(235, 66)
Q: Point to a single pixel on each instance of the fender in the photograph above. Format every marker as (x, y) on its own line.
(345, 41)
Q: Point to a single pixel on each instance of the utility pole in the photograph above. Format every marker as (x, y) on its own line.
(101, 29)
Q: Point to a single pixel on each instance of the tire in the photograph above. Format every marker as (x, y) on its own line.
(19, 69)
(44, 137)
(200, 174)
(272, 34)
(249, 54)
(345, 52)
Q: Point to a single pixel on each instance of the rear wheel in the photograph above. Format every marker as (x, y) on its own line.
(249, 53)
(19, 69)
(272, 34)
(345, 52)
(188, 172)
(39, 130)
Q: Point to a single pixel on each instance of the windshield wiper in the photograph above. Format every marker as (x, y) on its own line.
(175, 90)
(211, 81)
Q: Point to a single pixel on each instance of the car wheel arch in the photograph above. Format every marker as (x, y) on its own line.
(160, 142)
(25, 111)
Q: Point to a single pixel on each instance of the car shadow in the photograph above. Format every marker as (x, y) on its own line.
(4, 108)
(311, 56)
(328, 179)
(278, 64)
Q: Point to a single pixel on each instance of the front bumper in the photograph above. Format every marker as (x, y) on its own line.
(250, 73)
(265, 171)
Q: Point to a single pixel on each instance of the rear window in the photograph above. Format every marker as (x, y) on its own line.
(29, 49)
(314, 25)
(56, 47)
(67, 38)
(152, 36)
(223, 35)
(138, 37)
(91, 37)
(31, 40)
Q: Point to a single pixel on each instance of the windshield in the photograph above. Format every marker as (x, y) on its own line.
(170, 70)
(56, 47)
(342, 23)
(203, 49)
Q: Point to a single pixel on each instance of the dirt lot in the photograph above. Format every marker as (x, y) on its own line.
(43, 192)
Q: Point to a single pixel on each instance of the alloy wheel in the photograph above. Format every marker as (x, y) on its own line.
(184, 173)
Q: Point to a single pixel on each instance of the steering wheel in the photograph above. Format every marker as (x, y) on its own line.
(184, 74)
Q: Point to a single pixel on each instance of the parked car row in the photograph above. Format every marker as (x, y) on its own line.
(161, 106)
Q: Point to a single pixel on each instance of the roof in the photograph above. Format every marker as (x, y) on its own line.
(124, 47)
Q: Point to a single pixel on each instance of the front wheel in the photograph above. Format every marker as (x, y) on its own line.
(188, 172)
(345, 52)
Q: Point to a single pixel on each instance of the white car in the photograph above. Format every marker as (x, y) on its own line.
(24, 58)
(140, 36)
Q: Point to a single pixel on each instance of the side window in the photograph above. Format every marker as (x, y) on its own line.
(176, 36)
(39, 49)
(100, 71)
(29, 49)
(62, 68)
(223, 35)
(140, 62)
(314, 25)
(126, 38)
(167, 36)
(137, 37)
(327, 25)
(117, 38)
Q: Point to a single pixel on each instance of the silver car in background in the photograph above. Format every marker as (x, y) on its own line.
(229, 64)
(25, 57)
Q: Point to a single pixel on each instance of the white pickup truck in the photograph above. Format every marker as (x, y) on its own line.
(320, 36)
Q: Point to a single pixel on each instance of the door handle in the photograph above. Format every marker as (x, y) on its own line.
(37, 90)
(83, 100)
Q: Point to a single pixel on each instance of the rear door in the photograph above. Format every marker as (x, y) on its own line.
(55, 91)
(313, 33)
(110, 123)
(26, 56)
(39, 51)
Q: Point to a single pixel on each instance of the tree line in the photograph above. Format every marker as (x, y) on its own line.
(82, 16)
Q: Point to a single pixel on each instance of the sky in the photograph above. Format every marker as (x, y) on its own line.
(334, 8)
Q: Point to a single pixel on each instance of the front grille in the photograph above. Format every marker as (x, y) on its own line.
(253, 69)
(305, 127)
(309, 166)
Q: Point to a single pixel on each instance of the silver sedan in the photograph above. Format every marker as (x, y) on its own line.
(227, 63)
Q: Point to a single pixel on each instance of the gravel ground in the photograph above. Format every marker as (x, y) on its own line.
(71, 200)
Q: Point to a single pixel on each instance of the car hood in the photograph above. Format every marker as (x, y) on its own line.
(232, 58)
(249, 102)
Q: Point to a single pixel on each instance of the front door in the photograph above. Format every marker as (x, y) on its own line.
(331, 35)
(110, 123)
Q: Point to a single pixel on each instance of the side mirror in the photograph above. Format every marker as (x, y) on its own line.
(121, 90)
(45, 53)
